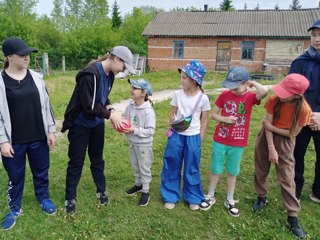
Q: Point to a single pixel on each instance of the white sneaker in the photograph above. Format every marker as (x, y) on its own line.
(231, 206)
(207, 203)
(169, 205)
(314, 198)
(194, 207)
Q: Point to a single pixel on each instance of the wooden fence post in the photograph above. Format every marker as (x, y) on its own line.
(63, 64)
(45, 64)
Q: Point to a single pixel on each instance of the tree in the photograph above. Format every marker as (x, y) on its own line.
(225, 5)
(295, 5)
(245, 6)
(116, 18)
(18, 19)
(257, 7)
(131, 29)
(57, 14)
(95, 11)
(73, 9)
(188, 9)
(276, 7)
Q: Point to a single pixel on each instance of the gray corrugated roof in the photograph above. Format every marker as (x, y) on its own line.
(262, 23)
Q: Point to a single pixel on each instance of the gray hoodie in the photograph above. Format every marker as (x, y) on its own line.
(47, 114)
(143, 119)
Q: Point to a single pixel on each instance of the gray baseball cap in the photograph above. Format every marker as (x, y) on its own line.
(125, 55)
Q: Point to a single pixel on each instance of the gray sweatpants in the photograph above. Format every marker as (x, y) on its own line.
(141, 158)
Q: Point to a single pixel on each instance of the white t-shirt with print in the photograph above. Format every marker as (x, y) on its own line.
(185, 105)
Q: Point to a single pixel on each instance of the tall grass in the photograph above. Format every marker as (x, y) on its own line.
(123, 218)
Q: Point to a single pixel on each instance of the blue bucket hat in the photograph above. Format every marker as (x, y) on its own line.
(141, 84)
(316, 24)
(195, 70)
(236, 76)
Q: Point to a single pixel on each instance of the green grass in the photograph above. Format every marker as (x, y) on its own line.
(123, 219)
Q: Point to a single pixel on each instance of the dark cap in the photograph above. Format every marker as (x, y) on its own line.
(316, 24)
(236, 76)
(13, 45)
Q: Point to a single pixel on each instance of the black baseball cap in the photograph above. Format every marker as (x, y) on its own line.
(316, 24)
(14, 45)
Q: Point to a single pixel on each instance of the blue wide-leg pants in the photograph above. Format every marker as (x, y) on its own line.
(188, 149)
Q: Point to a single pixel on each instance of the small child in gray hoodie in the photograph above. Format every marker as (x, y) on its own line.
(140, 137)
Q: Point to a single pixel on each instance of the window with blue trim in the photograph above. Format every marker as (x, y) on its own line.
(178, 49)
(247, 51)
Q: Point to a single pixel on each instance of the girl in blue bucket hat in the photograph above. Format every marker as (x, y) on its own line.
(184, 145)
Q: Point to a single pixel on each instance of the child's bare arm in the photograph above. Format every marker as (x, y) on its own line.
(172, 114)
(273, 154)
(216, 116)
(204, 123)
(262, 91)
(280, 131)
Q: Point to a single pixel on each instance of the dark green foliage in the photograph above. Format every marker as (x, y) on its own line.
(80, 30)
(116, 18)
(226, 5)
(295, 5)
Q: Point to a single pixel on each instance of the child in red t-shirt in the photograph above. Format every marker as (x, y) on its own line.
(231, 134)
(287, 112)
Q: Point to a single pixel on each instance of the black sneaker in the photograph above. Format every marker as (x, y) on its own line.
(70, 206)
(259, 204)
(144, 199)
(132, 191)
(295, 228)
(104, 200)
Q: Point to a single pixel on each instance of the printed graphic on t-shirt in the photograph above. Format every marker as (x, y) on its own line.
(240, 107)
(238, 130)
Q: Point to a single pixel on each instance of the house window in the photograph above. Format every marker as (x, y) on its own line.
(178, 49)
(247, 51)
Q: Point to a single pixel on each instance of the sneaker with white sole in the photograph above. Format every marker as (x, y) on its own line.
(144, 199)
(314, 198)
(48, 206)
(70, 206)
(194, 207)
(10, 219)
(231, 206)
(103, 199)
(207, 203)
(169, 206)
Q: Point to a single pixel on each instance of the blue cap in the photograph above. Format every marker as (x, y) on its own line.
(142, 84)
(316, 24)
(236, 76)
(195, 70)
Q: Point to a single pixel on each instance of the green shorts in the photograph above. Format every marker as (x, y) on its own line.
(233, 156)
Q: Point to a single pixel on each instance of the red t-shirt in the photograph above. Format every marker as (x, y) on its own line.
(239, 106)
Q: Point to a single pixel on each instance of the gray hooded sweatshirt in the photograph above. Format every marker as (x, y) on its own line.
(143, 119)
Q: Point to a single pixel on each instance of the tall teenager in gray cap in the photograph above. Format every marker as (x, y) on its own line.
(308, 64)
(27, 128)
(85, 117)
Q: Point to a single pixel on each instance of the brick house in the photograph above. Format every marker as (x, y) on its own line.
(263, 41)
